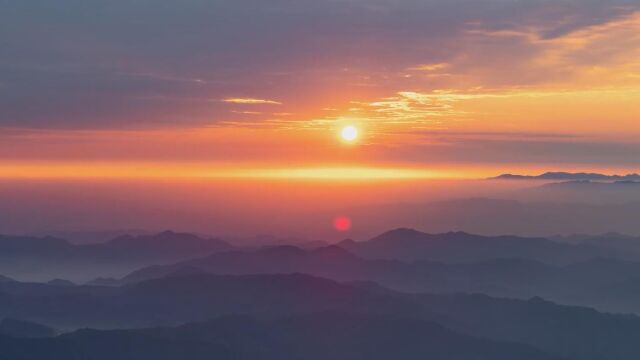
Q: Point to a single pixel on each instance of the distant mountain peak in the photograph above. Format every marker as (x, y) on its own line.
(408, 234)
(168, 238)
(558, 175)
(402, 232)
(346, 242)
(5, 279)
(169, 234)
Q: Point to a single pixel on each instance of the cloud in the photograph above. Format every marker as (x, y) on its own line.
(430, 67)
(505, 110)
(522, 150)
(251, 101)
(600, 52)
(158, 63)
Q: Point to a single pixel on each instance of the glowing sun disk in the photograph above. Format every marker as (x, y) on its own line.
(349, 133)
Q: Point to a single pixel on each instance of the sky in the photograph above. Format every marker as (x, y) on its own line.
(261, 89)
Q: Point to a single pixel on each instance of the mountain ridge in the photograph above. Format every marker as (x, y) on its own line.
(561, 175)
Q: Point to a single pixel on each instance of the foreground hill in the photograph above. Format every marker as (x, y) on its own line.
(178, 299)
(563, 331)
(318, 336)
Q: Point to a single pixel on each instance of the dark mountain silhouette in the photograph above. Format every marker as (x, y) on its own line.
(163, 245)
(92, 345)
(587, 283)
(268, 260)
(563, 331)
(311, 336)
(409, 244)
(571, 332)
(399, 282)
(347, 260)
(569, 176)
(272, 240)
(44, 259)
(92, 237)
(176, 299)
(47, 258)
(24, 329)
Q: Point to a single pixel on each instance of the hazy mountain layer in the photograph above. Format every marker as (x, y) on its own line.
(572, 332)
(47, 258)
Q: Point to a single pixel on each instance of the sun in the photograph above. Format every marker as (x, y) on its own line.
(349, 133)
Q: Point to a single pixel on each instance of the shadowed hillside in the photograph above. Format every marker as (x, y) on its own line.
(564, 331)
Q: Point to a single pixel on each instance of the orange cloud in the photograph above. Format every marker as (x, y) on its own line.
(601, 55)
(251, 101)
(430, 67)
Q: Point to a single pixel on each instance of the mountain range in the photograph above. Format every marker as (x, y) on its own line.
(569, 176)
(398, 260)
(316, 336)
(595, 271)
(310, 315)
(47, 258)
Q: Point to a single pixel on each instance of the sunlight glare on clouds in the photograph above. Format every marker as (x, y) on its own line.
(533, 67)
(251, 101)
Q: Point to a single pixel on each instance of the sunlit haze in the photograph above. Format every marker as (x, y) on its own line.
(316, 93)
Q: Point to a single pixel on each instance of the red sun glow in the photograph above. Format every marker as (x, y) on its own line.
(342, 223)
